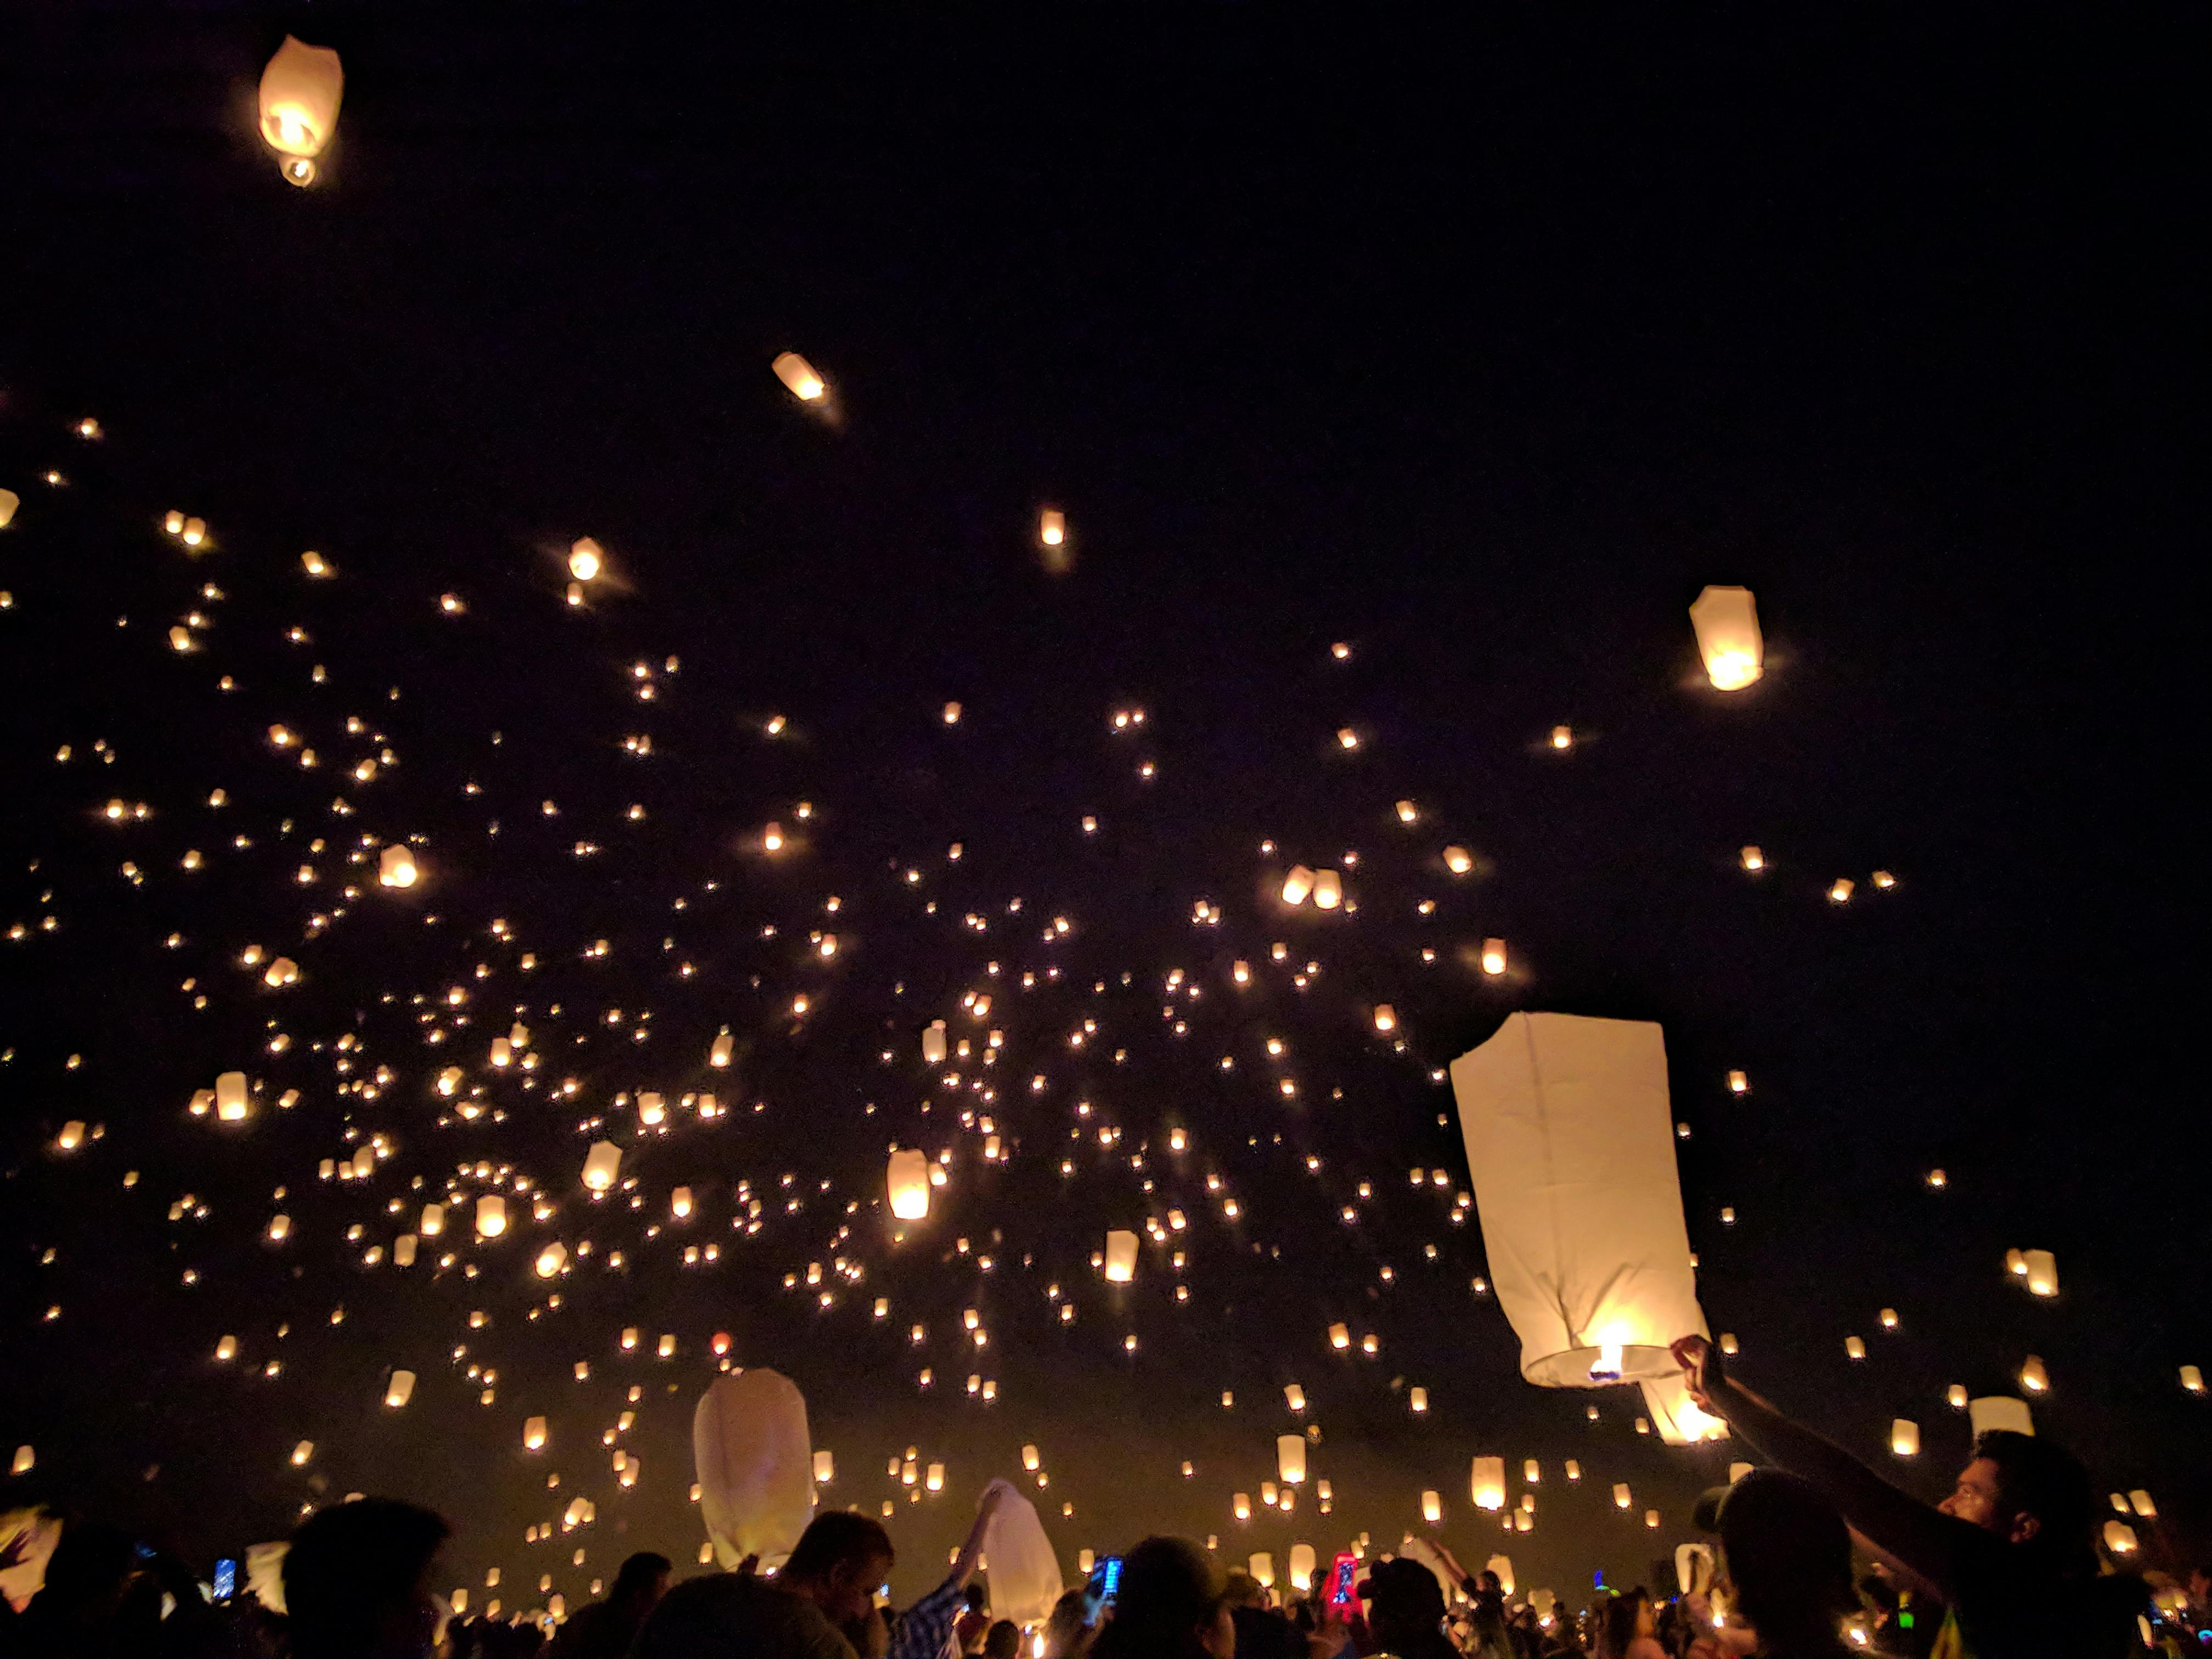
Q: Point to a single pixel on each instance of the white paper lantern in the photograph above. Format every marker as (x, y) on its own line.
(1025, 1579)
(909, 1181)
(1599, 1288)
(1486, 1483)
(586, 558)
(1298, 884)
(1503, 1567)
(796, 373)
(1120, 1256)
(395, 867)
(2192, 1378)
(2032, 1377)
(1903, 1438)
(1727, 620)
(932, 1043)
(1327, 889)
(1678, 1418)
(533, 1435)
(230, 1096)
(2000, 1410)
(403, 1250)
(754, 1464)
(2042, 1272)
(719, 1051)
(9, 501)
(1303, 1562)
(1291, 1457)
(1433, 1507)
(1262, 1566)
(300, 89)
(491, 1216)
(1052, 531)
(400, 1389)
(601, 1165)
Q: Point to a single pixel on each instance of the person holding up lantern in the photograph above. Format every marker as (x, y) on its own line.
(2010, 1549)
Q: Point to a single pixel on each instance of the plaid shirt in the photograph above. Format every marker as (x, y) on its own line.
(925, 1630)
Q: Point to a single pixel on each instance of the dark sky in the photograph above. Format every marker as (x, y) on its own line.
(1482, 350)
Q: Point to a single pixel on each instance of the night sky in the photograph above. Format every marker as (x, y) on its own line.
(1479, 353)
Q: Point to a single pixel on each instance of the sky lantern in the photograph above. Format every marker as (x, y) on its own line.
(300, 92)
(1291, 1457)
(1754, 860)
(533, 1434)
(1025, 1581)
(1328, 888)
(1486, 1483)
(1596, 1290)
(586, 559)
(2192, 1378)
(1678, 1418)
(230, 1096)
(909, 1181)
(395, 867)
(1621, 1496)
(1493, 957)
(1303, 1562)
(719, 1051)
(1052, 527)
(2119, 1537)
(1120, 1256)
(601, 1165)
(2042, 1272)
(754, 1462)
(1386, 1019)
(9, 501)
(1458, 860)
(1903, 1438)
(1999, 1410)
(2032, 1377)
(680, 1203)
(491, 1216)
(1727, 620)
(1262, 1569)
(1298, 884)
(825, 1467)
(403, 1250)
(934, 1043)
(1240, 1505)
(552, 1259)
(400, 1389)
(1293, 1396)
(796, 373)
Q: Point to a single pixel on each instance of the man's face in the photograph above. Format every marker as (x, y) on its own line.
(1975, 1498)
(851, 1589)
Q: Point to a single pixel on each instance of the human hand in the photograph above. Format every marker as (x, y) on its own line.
(1704, 1375)
(750, 1567)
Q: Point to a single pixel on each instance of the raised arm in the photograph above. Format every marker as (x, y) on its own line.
(1923, 1538)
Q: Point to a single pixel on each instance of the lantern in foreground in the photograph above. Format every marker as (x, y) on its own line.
(1303, 1562)
(796, 373)
(1903, 1438)
(1120, 1256)
(491, 1216)
(908, 1180)
(1486, 1483)
(1432, 1508)
(395, 867)
(601, 1164)
(1598, 1287)
(586, 559)
(300, 92)
(400, 1389)
(1727, 620)
(754, 1460)
(1291, 1457)
(2042, 1272)
(1025, 1578)
(1999, 1410)
(1328, 888)
(1298, 884)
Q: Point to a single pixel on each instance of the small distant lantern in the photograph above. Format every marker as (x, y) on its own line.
(1754, 860)
(1340, 1336)
(1531, 1472)
(403, 1250)
(796, 373)
(552, 1259)
(533, 1434)
(1458, 860)
(400, 1389)
(1291, 1457)
(9, 501)
(1386, 1019)
(300, 89)
(1903, 1438)
(1052, 526)
(719, 1051)
(2042, 1272)
(1432, 1508)
(1262, 1569)
(934, 1043)
(2032, 1377)
(1493, 955)
(1418, 1398)
(2192, 1378)
(680, 1203)
(1303, 1562)
(601, 1164)
(302, 1452)
(1855, 1347)
(1298, 884)
(1486, 1483)
(586, 559)
(1727, 622)
(1563, 737)
(1120, 1256)
(1955, 1396)
(1621, 1499)
(1293, 1396)
(230, 1096)
(825, 1467)
(2119, 1537)
(1241, 1506)
(2139, 1501)
(1841, 892)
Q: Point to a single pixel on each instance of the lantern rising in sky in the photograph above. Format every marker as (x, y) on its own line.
(1727, 620)
(300, 92)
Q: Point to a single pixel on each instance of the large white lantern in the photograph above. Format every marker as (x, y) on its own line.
(1025, 1579)
(755, 1460)
(1486, 1483)
(395, 867)
(932, 1043)
(1999, 1410)
(1120, 1256)
(908, 1180)
(1675, 1415)
(299, 93)
(601, 1165)
(1291, 1457)
(491, 1216)
(1571, 1140)
(230, 1096)
(1727, 620)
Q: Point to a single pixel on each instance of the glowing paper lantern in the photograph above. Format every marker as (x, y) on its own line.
(796, 373)
(2042, 1272)
(1240, 1505)
(719, 1052)
(1298, 884)
(1486, 1483)
(533, 1435)
(552, 1259)
(1503, 1567)
(680, 1203)
(755, 1466)
(400, 1389)
(2192, 1378)
(2120, 1538)
(908, 1180)
(601, 1165)
(1293, 1396)
(1903, 1438)
(230, 1096)
(71, 1137)
(2139, 1501)
(1418, 1398)
(1120, 1256)
(1999, 1410)
(1303, 1562)
(1340, 1336)
(1727, 620)
(1327, 889)
(1262, 1569)
(1432, 1508)
(1386, 1019)
(2032, 1377)
(1052, 531)
(9, 501)
(1855, 1347)
(1025, 1578)
(395, 867)
(1291, 1457)
(25, 1460)
(586, 558)
(1675, 1415)
(1571, 1141)
(1493, 955)
(300, 92)
(403, 1250)
(1458, 861)
(491, 1216)
(1621, 1499)
(932, 1043)
(1955, 1397)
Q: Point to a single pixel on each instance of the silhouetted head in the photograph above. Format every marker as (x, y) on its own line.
(357, 1581)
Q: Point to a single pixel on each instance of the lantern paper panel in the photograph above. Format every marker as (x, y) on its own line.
(754, 1460)
(1570, 1137)
(1727, 622)
(300, 89)
(1025, 1578)
(1120, 1256)
(1291, 1457)
(907, 1179)
(1486, 1483)
(1678, 1418)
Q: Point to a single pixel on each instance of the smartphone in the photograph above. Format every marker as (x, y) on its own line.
(226, 1580)
(1341, 1578)
(1105, 1581)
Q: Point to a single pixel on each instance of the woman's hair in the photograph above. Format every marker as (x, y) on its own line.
(1168, 1594)
(1789, 1555)
(1617, 1622)
(1063, 1629)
